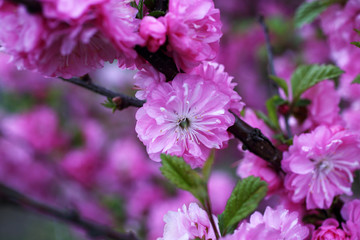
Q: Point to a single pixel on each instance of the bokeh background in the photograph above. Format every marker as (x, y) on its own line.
(62, 147)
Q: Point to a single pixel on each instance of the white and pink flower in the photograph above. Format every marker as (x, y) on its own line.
(186, 118)
(320, 164)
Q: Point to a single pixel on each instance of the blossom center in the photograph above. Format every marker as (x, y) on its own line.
(324, 166)
(184, 123)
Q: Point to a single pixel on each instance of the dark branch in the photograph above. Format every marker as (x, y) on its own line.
(10, 196)
(125, 101)
(254, 141)
(268, 45)
(274, 87)
(159, 61)
(252, 138)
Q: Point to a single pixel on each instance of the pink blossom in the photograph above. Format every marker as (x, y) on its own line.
(22, 81)
(70, 43)
(214, 72)
(351, 214)
(252, 165)
(68, 10)
(141, 197)
(188, 223)
(239, 58)
(329, 230)
(118, 23)
(184, 118)
(126, 162)
(220, 181)
(194, 30)
(157, 211)
(338, 23)
(21, 169)
(85, 203)
(38, 127)
(274, 224)
(81, 165)
(319, 165)
(351, 116)
(153, 30)
(324, 107)
(146, 80)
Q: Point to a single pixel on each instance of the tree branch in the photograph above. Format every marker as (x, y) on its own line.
(254, 141)
(123, 101)
(252, 138)
(274, 87)
(94, 230)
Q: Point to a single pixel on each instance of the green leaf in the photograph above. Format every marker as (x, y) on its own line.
(357, 31)
(357, 79)
(157, 13)
(308, 11)
(110, 104)
(139, 7)
(140, 14)
(281, 83)
(183, 176)
(134, 4)
(306, 76)
(208, 165)
(243, 201)
(303, 102)
(271, 106)
(280, 137)
(356, 44)
(266, 119)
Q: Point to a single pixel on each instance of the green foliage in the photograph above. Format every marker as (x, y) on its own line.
(183, 176)
(357, 79)
(139, 7)
(308, 11)
(266, 119)
(12, 102)
(306, 76)
(157, 13)
(208, 165)
(280, 137)
(281, 83)
(243, 201)
(271, 106)
(356, 44)
(110, 104)
(302, 102)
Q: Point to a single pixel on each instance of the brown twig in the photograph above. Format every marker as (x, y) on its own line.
(254, 141)
(252, 138)
(123, 101)
(13, 197)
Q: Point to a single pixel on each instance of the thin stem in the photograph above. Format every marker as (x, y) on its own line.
(126, 101)
(13, 197)
(270, 55)
(252, 138)
(210, 215)
(274, 87)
